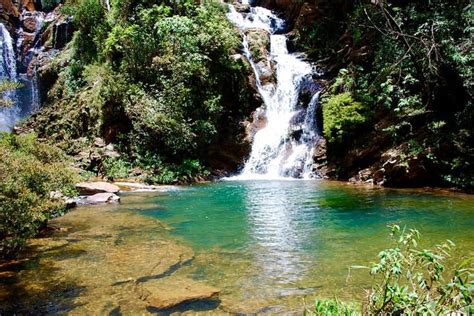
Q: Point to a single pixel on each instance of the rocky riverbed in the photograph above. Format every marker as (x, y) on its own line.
(102, 260)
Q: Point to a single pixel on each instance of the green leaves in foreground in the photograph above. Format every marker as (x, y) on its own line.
(408, 280)
(411, 280)
(332, 307)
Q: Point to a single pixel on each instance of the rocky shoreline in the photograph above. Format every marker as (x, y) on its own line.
(99, 268)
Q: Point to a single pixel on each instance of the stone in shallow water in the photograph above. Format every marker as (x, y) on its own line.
(171, 292)
(101, 198)
(89, 188)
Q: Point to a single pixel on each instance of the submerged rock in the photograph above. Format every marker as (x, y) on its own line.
(90, 188)
(171, 292)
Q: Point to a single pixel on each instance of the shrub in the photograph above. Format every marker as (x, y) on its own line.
(116, 168)
(332, 307)
(29, 172)
(409, 280)
(342, 117)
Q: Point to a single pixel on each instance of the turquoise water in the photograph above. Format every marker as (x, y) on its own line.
(272, 243)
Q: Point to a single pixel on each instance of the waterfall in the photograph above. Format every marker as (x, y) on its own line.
(8, 116)
(284, 147)
(25, 99)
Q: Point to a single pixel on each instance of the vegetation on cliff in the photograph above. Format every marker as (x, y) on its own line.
(410, 64)
(156, 79)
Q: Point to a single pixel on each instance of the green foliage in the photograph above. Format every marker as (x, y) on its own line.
(330, 308)
(48, 4)
(116, 168)
(153, 77)
(411, 280)
(342, 117)
(410, 63)
(160, 172)
(5, 87)
(29, 171)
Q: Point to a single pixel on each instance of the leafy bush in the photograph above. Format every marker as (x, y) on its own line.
(330, 308)
(29, 171)
(409, 280)
(342, 116)
(116, 168)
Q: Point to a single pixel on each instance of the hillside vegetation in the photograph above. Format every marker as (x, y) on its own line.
(157, 80)
(401, 82)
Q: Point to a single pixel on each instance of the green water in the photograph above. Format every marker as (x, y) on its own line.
(273, 243)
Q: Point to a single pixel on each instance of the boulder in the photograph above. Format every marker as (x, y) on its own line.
(10, 8)
(62, 32)
(259, 44)
(89, 188)
(29, 23)
(101, 198)
(69, 202)
(29, 5)
(241, 8)
(170, 292)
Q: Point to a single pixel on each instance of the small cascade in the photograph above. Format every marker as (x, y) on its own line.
(284, 147)
(17, 66)
(8, 115)
(107, 5)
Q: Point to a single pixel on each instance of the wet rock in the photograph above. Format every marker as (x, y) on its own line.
(266, 72)
(400, 171)
(99, 142)
(89, 188)
(241, 8)
(320, 150)
(29, 23)
(259, 44)
(101, 198)
(134, 186)
(9, 8)
(171, 292)
(27, 42)
(259, 121)
(62, 32)
(29, 5)
(69, 202)
(379, 176)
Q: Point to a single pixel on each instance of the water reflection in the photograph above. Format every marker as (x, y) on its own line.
(278, 226)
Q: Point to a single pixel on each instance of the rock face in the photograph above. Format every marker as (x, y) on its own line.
(101, 198)
(171, 292)
(62, 32)
(90, 188)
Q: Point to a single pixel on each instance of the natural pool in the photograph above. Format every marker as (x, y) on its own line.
(266, 245)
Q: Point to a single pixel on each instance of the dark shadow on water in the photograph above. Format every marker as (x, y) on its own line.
(117, 311)
(167, 273)
(172, 269)
(199, 306)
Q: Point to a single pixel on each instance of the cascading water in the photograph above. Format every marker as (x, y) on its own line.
(8, 71)
(284, 147)
(15, 67)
